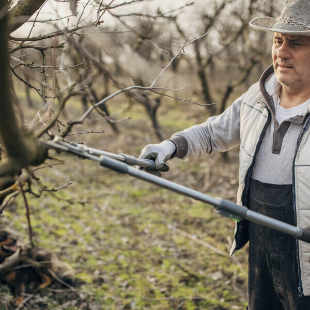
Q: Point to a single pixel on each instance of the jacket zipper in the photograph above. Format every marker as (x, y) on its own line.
(304, 129)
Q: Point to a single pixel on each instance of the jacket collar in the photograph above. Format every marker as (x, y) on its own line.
(268, 88)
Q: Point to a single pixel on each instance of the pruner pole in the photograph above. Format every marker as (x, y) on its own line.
(121, 163)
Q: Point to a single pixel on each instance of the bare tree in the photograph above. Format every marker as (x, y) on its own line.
(229, 49)
(59, 66)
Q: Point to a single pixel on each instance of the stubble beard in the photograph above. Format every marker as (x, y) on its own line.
(295, 83)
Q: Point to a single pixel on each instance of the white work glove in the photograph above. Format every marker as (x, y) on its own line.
(160, 153)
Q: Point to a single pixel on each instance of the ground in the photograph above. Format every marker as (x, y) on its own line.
(134, 245)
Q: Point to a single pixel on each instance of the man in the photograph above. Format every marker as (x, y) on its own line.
(271, 124)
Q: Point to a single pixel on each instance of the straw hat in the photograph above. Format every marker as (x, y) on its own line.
(294, 19)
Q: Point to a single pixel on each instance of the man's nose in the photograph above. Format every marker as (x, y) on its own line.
(284, 51)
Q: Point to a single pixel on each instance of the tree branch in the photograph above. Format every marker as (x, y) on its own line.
(53, 34)
(22, 12)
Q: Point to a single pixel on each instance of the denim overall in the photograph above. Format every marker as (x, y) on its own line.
(273, 272)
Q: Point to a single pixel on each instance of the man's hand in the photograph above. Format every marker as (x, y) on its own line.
(160, 153)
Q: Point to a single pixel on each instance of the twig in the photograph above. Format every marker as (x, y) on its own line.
(106, 8)
(182, 99)
(34, 66)
(67, 91)
(39, 48)
(69, 201)
(173, 58)
(81, 120)
(7, 201)
(28, 84)
(82, 12)
(33, 24)
(69, 290)
(47, 166)
(27, 213)
(48, 20)
(155, 16)
(53, 34)
(57, 113)
(203, 243)
(22, 265)
(24, 301)
(99, 30)
(57, 188)
(61, 67)
(82, 133)
(53, 274)
(99, 9)
(125, 3)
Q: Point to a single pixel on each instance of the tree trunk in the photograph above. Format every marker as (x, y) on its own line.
(204, 80)
(104, 108)
(151, 111)
(21, 149)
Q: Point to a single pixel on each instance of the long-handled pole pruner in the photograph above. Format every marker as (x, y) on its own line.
(121, 163)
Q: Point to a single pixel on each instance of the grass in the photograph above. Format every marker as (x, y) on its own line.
(122, 235)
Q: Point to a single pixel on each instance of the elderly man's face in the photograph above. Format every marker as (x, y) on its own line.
(291, 60)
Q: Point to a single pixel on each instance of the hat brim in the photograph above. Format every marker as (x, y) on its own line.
(272, 25)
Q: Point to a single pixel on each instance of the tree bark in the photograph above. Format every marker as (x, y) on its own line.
(21, 149)
(22, 11)
(9, 130)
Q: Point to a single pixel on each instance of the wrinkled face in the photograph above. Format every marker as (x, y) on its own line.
(291, 60)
